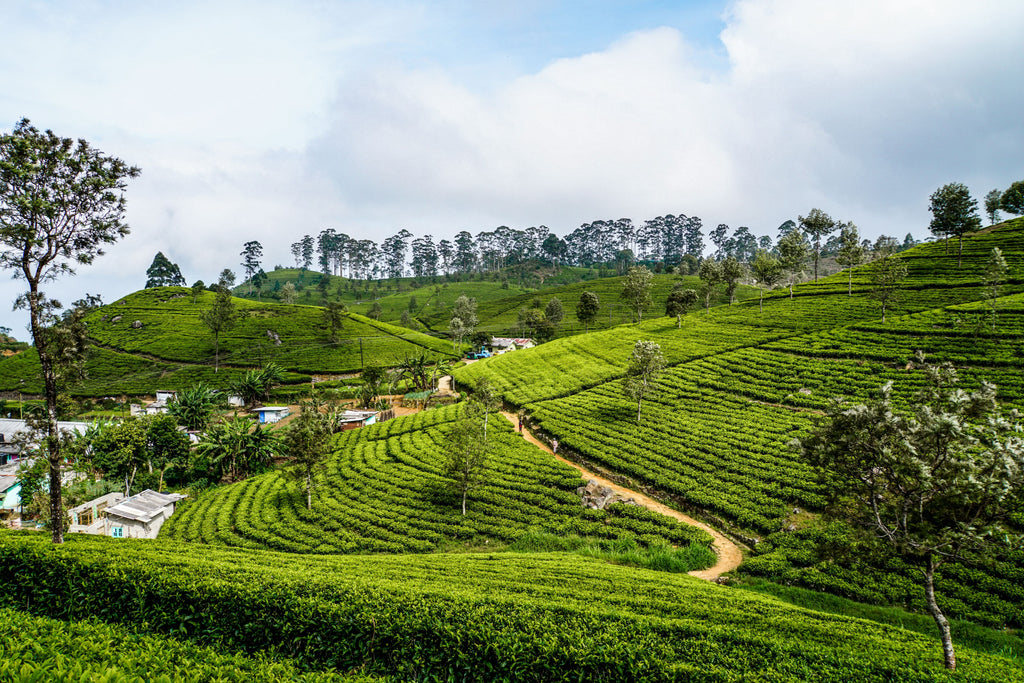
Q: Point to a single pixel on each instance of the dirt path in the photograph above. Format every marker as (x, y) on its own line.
(729, 555)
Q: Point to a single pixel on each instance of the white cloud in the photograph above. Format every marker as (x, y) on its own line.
(256, 121)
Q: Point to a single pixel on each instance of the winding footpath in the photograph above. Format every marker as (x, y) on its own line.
(729, 555)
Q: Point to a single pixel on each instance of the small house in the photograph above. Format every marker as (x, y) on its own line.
(269, 414)
(140, 516)
(13, 448)
(10, 492)
(88, 518)
(506, 344)
(165, 396)
(352, 419)
(235, 401)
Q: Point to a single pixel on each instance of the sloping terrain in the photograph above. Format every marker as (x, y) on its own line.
(476, 617)
(154, 339)
(715, 437)
(384, 490)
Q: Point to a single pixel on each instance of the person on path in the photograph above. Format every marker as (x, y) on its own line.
(520, 424)
(554, 445)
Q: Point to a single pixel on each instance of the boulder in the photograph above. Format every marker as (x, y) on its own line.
(116, 319)
(274, 337)
(596, 496)
(137, 325)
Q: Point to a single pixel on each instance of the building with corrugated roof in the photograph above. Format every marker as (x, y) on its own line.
(140, 516)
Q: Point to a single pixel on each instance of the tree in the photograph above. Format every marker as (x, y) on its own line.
(886, 278)
(307, 443)
(993, 279)
(463, 320)
(636, 290)
(954, 213)
(732, 271)
(817, 225)
(467, 452)
(680, 301)
(226, 279)
(119, 450)
(645, 365)
(163, 273)
(197, 289)
(933, 485)
(767, 271)
(993, 202)
(61, 201)
(219, 318)
(376, 311)
(587, 309)
(793, 248)
(553, 312)
(251, 254)
(255, 385)
(167, 447)
(334, 319)
(236, 448)
(1013, 198)
(710, 275)
(288, 293)
(193, 407)
(851, 252)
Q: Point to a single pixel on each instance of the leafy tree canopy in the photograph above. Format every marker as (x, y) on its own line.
(163, 273)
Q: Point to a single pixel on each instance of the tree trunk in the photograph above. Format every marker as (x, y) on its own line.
(216, 352)
(760, 301)
(52, 439)
(790, 291)
(849, 289)
(309, 491)
(815, 266)
(949, 654)
(639, 401)
(883, 314)
(464, 492)
(960, 253)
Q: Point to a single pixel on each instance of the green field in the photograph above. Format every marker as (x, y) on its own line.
(384, 491)
(475, 617)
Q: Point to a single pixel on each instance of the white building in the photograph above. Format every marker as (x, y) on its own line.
(140, 516)
(88, 518)
(270, 414)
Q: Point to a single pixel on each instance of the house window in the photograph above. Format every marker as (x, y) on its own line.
(117, 532)
(85, 517)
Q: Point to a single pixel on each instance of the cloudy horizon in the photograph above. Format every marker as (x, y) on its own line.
(267, 121)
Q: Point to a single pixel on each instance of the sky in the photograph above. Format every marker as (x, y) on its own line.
(266, 121)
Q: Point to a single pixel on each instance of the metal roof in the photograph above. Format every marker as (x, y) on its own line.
(9, 427)
(6, 482)
(143, 507)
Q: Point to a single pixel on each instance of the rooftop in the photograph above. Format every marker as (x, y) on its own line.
(143, 507)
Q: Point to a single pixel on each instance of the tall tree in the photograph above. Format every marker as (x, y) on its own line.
(954, 213)
(793, 249)
(1013, 198)
(334, 319)
(645, 366)
(636, 290)
(60, 202)
(288, 293)
(163, 273)
(993, 202)
(226, 279)
(307, 443)
(710, 275)
(219, 318)
(817, 225)
(553, 311)
(767, 271)
(680, 301)
(467, 452)
(308, 247)
(935, 485)
(851, 252)
(251, 254)
(993, 279)
(732, 273)
(197, 289)
(887, 276)
(587, 308)
(463, 320)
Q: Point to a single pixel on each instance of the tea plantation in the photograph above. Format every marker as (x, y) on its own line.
(475, 617)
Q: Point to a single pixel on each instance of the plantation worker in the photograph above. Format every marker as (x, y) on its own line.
(554, 445)
(520, 424)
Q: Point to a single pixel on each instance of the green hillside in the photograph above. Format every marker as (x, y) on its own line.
(172, 349)
(476, 617)
(715, 438)
(384, 491)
